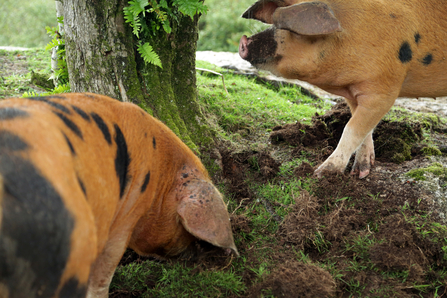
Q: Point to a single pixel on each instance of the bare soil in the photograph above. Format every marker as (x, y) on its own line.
(400, 221)
(392, 215)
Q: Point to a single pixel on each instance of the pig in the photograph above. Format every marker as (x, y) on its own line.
(370, 52)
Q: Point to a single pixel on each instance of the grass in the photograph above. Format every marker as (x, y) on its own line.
(15, 79)
(250, 108)
(436, 169)
(243, 119)
(152, 279)
(22, 24)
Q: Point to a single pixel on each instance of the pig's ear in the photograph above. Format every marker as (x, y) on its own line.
(308, 18)
(204, 214)
(263, 10)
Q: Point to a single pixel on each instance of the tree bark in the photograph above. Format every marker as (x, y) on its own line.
(102, 58)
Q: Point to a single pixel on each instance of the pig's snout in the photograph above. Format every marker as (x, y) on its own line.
(259, 48)
(243, 47)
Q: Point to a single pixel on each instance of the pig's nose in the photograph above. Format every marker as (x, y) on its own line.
(243, 49)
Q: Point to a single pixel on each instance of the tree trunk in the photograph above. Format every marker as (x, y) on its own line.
(102, 58)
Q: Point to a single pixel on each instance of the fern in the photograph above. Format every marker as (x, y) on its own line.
(149, 56)
(58, 41)
(190, 7)
(55, 42)
(63, 88)
(162, 16)
(134, 21)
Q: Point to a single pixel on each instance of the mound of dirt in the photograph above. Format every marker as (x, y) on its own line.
(394, 141)
(373, 232)
(343, 210)
(295, 279)
(236, 166)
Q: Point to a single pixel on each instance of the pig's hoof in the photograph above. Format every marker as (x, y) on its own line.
(362, 173)
(362, 167)
(325, 168)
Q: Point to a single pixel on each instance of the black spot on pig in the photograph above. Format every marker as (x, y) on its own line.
(102, 126)
(12, 113)
(81, 113)
(36, 229)
(417, 37)
(122, 159)
(70, 145)
(72, 288)
(146, 181)
(70, 124)
(9, 142)
(427, 59)
(82, 185)
(47, 100)
(405, 53)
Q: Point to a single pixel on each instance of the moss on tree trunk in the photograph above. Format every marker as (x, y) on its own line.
(102, 58)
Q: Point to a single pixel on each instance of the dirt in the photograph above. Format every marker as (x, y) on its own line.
(342, 209)
(387, 211)
(400, 221)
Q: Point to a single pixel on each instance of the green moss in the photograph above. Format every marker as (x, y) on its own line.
(431, 151)
(41, 80)
(436, 169)
(427, 120)
(401, 150)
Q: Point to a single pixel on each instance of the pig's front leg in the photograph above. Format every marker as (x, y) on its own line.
(350, 140)
(357, 136)
(104, 267)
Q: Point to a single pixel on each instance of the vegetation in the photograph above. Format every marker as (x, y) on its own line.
(222, 27)
(243, 118)
(164, 13)
(436, 169)
(340, 230)
(22, 24)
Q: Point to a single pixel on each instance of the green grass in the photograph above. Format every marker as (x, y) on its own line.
(22, 23)
(243, 119)
(251, 108)
(436, 169)
(15, 78)
(153, 279)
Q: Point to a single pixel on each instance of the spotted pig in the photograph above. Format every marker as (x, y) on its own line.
(83, 177)
(368, 51)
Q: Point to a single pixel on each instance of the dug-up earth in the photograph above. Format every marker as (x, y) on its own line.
(388, 206)
(383, 236)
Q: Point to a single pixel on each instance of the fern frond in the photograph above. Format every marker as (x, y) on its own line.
(133, 19)
(191, 7)
(149, 56)
(138, 6)
(55, 42)
(167, 26)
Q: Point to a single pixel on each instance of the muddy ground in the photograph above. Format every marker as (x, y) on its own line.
(399, 221)
(342, 207)
(389, 212)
